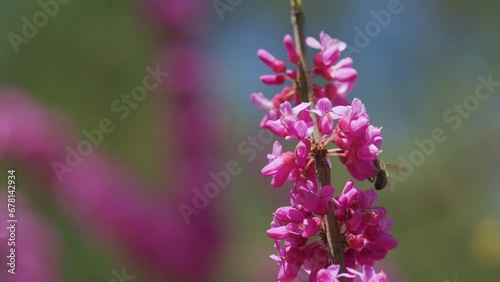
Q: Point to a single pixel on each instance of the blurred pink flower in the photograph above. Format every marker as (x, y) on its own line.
(107, 201)
(102, 196)
(179, 16)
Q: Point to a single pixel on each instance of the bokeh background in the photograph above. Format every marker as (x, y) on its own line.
(424, 61)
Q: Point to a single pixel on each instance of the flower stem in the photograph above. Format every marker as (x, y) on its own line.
(298, 23)
(331, 225)
(334, 238)
(297, 18)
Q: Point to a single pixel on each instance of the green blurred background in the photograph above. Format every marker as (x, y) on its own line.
(427, 58)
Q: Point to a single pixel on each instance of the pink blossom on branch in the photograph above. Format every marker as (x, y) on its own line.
(360, 141)
(299, 229)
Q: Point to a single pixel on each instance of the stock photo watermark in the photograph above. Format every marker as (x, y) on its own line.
(121, 276)
(223, 6)
(454, 118)
(381, 19)
(221, 179)
(11, 221)
(121, 107)
(48, 9)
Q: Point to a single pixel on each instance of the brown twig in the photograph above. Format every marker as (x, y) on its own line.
(331, 225)
(300, 40)
(303, 83)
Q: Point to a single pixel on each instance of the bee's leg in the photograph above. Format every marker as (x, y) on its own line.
(371, 179)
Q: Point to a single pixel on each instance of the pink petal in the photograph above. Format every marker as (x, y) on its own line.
(359, 125)
(340, 111)
(295, 215)
(286, 109)
(325, 38)
(343, 74)
(354, 222)
(300, 107)
(312, 227)
(260, 101)
(326, 125)
(293, 55)
(277, 148)
(277, 128)
(324, 105)
(311, 202)
(368, 152)
(344, 63)
(357, 107)
(330, 55)
(278, 233)
(326, 192)
(281, 213)
(272, 79)
(280, 178)
(313, 43)
(273, 167)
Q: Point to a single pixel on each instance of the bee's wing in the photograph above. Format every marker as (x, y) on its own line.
(394, 168)
(397, 168)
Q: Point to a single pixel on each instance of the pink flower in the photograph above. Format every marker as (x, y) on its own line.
(281, 74)
(272, 106)
(353, 122)
(331, 274)
(326, 61)
(365, 226)
(290, 260)
(324, 110)
(369, 275)
(294, 222)
(316, 258)
(330, 48)
(261, 102)
(360, 140)
(287, 126)
(293, 55)
(302, 151)
(356, 208)
(376, 245)
(307, 196)
(296, 228)
(280, 165)
(176, 15)
(337, 91)
(342, 71)
(90, 188)
(268, 59)
(306, 228)
(273, 79)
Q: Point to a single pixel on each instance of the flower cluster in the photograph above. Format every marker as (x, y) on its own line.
(328, 118)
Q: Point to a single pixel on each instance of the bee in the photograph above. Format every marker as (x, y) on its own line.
(382, 178)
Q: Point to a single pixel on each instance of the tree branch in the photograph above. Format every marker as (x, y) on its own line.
(297, 18)
(298, 23)
(331, 225)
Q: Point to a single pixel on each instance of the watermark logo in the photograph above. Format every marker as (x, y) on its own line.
(31, 26)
